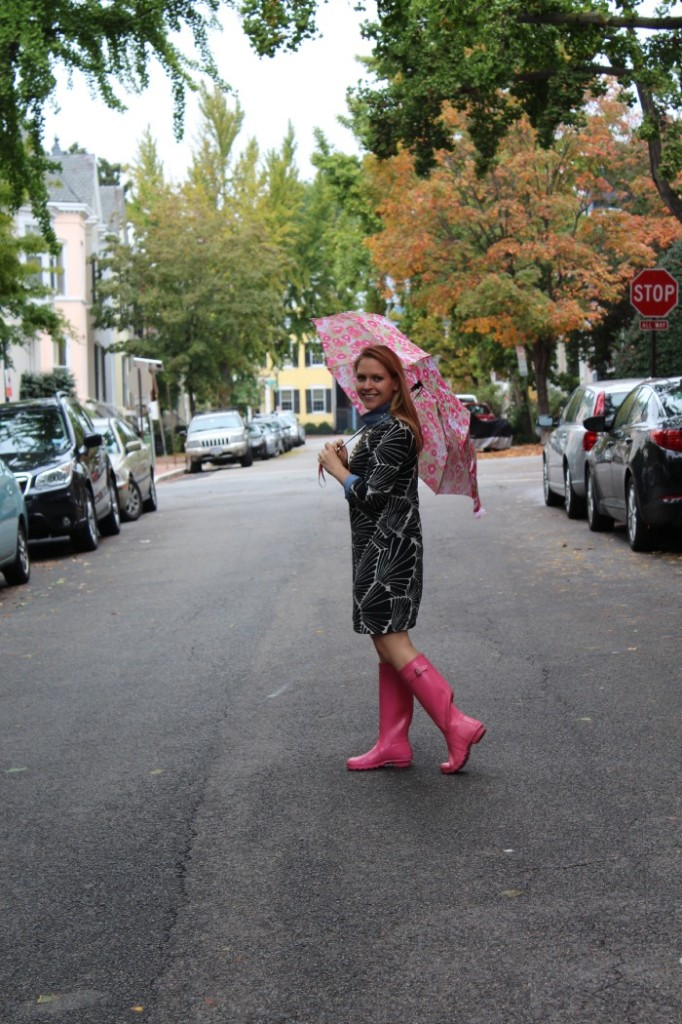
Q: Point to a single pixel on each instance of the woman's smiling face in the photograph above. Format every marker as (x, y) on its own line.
(374, 383)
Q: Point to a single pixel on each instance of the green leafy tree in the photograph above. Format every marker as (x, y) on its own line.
(111, 44)
(23, 309)
(202, 287)
(505, 58)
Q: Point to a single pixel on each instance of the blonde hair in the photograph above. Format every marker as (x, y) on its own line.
(402, 406)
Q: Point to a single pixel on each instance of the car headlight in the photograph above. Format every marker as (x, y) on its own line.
(58, 476)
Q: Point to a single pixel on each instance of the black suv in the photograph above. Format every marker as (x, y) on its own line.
(63, 469)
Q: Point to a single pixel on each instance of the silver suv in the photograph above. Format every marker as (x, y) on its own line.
(563, 461)
(218, 437)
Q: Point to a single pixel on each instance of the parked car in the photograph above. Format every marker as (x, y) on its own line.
(634, 471)
(132, 464)
(62, 467)
(490, 433)
(284, 439)
(563, 459)
(464, 398)
(480, 409)
(15, 562)
(295, 429)
(219, 437)
(262, 440)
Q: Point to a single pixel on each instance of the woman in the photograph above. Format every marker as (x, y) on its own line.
(380, 483)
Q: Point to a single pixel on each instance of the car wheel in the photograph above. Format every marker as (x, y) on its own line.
(20, 570)
(151, 502)
(595, 520)
(111, 523)
(639, 537)
(86, 538)
(575, 508)
(133, 505)
(195, 467)
(552, 500)
(247, 460)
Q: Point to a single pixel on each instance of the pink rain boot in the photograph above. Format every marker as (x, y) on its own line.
(395, 714)
(436, 697)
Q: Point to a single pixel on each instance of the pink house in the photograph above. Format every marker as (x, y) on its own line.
(83, 213)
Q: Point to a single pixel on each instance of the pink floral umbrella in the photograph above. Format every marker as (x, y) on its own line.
(447, 462)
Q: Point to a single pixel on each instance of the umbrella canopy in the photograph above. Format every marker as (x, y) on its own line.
(447, 463)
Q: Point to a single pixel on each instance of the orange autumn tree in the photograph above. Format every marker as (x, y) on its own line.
(538, 247)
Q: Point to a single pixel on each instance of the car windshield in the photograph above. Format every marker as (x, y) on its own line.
(671, 400)
(216, 422)
(34, 430)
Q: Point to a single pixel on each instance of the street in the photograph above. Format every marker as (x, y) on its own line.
(181, 842)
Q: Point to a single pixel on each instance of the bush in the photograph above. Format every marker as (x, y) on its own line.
(319, 428)
(45, 385)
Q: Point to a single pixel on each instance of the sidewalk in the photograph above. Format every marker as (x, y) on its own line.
(168, 466)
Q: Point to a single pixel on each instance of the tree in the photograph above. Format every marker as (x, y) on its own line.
(504, 59)
(23, 310)
(110, 44)
(536, 248)
(202, 286)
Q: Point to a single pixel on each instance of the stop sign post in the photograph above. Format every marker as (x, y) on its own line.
(654, 294)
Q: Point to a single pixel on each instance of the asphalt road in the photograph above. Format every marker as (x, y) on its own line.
(180, 840)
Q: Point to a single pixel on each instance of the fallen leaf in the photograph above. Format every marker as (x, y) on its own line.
(511, 893)
(15, 771)
(137, 1009)
(46, 999)
(156, 771)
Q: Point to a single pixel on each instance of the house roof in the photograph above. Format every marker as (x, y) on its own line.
(76, 181)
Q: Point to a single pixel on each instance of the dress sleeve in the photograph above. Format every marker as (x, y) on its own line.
(394, 448)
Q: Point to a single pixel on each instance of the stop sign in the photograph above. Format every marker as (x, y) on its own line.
(653, 292)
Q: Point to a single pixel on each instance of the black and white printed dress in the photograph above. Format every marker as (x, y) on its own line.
(385, 529)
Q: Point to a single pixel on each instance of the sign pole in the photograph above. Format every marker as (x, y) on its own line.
(653, 353)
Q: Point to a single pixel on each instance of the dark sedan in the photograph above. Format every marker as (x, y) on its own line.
(634, 471)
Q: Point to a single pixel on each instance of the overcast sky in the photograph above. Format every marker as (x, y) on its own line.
(307, 88)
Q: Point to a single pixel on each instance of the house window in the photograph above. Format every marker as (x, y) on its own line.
(59, 355)
(56, 273)
(313, 355)
(318, 399)
(287, 400)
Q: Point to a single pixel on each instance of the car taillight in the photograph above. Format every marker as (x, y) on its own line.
(589, 439)
(599, 407)
(670, 439)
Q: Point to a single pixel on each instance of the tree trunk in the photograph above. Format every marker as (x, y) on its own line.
(670, 197)
(543, 349)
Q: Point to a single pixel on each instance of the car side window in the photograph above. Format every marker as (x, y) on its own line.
(76, 426)
(624, 414)
(87, 426)
(569, 413)
(640, 407)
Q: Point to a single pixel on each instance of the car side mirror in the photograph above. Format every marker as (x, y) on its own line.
(596, 424)
(133, 446)
(93, 441)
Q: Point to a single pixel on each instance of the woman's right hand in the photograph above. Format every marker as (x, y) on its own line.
(342, 451)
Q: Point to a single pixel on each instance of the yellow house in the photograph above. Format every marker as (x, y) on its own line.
(305, 386)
